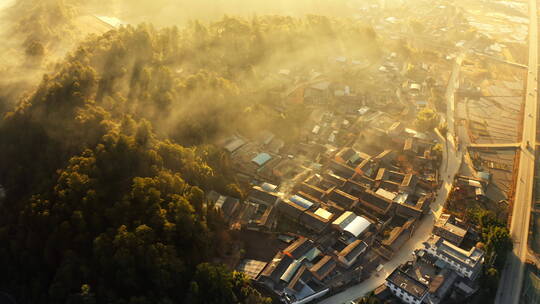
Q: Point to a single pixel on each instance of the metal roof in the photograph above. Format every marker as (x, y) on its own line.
(357, 226)
(261, 159)
(300, 201)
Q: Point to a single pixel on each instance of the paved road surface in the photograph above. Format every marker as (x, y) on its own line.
(512, 278)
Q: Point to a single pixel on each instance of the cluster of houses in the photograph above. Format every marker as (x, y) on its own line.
(356, 203)
(438, 271)
(447, 266)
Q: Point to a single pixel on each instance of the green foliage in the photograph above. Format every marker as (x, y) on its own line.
(426, 120)
(497, 245)
(108, 160)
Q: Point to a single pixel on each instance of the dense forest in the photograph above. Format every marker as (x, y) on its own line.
(106, 163)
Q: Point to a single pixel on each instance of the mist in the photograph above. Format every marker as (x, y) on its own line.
(171, 12)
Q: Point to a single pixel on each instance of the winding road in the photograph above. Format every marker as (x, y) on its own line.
(453, 158)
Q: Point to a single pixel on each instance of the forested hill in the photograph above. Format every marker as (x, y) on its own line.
(105, 164)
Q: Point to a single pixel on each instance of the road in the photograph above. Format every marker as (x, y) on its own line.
(448, 170)
(509, 290)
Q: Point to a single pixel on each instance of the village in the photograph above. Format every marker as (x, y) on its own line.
(370, 168)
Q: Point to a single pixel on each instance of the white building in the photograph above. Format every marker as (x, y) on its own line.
(406, 288)
(466, 263)
(352, 223)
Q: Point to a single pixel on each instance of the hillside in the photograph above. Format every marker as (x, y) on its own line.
(107, 161)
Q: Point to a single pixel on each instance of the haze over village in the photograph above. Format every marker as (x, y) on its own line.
(250, 151)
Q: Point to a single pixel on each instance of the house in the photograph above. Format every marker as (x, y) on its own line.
(350, 157)
(299, 247)
(354, 188)
(302, 288)
(261, 159)
(260, 196)
(363, 180)
(265, 222)
(341, 170)
(251, 268)
(450, 228)
(351, 224)
(367, 167)
(291, 209)
(289, 277)
(467, 263)
(341, 198)
(408, 184)
(385, 158)
(317, 93)
(421, 280)
(333, 180)
(406, 288)
(310, 198)
(349, 255)
(323, 267)
(234, 144)
(311, 190)
(410, 205)
(228, 206)
(316, 221)
(274, 270)
(398, 236)
(376, 202)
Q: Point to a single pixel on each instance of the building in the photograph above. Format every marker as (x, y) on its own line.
(398, 236)
(315, 221)
(275, 269)
(264, 221)
(234, 144)
(352, 224)
(260, 196)
(406, 288)
(349, 255)
(228, 206)
(252, 268)
(261, 159)
(450, 228)
(303, 288)
(410, 205)
(323, 268)
(467, 264)
(298, 248)
(312, 190)
(350, 157)
(341, 170)
(291, 209)
(376, 202)
(421, 280)
(341, 198)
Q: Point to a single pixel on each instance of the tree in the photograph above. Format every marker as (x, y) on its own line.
(426, 119)
(35, 49)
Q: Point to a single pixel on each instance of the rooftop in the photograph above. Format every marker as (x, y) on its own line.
(325, 214)
(323, 267)
(445, 222)
(251, 268)
(353, 250)
(352, 223)
(261, 159)
(299, 248)
(300, 201)
(407, 283)
(467, 258)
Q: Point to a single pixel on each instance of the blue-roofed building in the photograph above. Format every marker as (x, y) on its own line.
(300, 201)
(261, 159)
